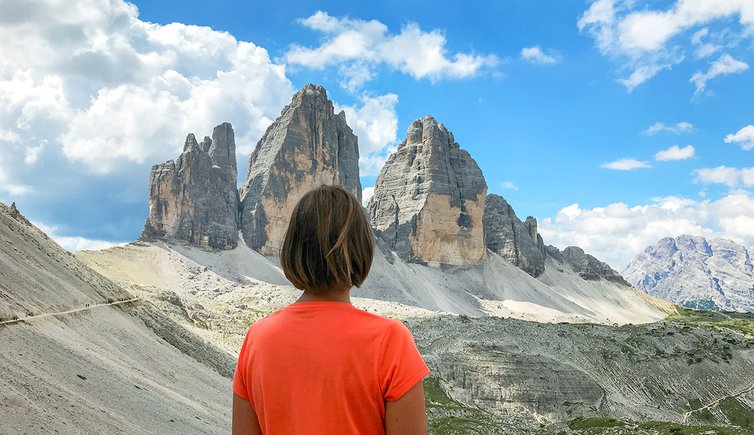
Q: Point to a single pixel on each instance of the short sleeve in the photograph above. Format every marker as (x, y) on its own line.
(239, 379)
(400, 365)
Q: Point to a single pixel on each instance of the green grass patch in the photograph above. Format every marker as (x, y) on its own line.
(436, 397)
(447, 416)
(665, 428)
(582, 423)
(736, 412)
(740, 322)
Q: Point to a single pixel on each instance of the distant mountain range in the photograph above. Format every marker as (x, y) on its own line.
(714, 274)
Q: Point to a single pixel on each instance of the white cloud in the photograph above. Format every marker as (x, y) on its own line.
(106, 88)
(643, 73)
(8, 185)
(360, 46)
(626, 164)
(509, 185)
(366, 195)
(675, 153)
(616, 233)
(659, 127)
(375, 122)
(9, 136)
(643, 40)
(731, 177)
(726, 64)
(32, 154)
(744, 136)
(536, 55)
(75, 243)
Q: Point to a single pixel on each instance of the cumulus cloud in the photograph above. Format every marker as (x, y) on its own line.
(508, 185)
(616, 233)
(626, 164)
(107, 88)
(675, 153)
(726, 64)
(660, 127)
(75, 243)
(744, 137)
(645, 40)
(91, 96)
(731, 177)
(536, 55)
(703, 48)
(375, 122)
(366, 195)
(360, 46)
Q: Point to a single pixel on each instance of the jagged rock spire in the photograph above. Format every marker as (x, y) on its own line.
(429, 197)
(196, 199)
(308, 145)
(516, 241)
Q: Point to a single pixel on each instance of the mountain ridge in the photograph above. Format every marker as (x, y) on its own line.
(696, 272)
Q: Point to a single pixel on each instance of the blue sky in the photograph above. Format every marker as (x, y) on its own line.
(551, 105)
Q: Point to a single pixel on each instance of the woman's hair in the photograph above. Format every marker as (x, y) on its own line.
(329, 243)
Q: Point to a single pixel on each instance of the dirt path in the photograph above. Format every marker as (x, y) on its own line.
(75, 310)
(715, 403)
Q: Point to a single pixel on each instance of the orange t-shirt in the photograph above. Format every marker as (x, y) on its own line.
(326, 368)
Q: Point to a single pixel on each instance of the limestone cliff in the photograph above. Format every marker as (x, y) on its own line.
(429, 198)
(195, 199)
(586, 265)
(516, 241)
(307, 146)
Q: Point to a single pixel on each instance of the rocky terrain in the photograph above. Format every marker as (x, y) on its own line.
(196, 198)
(691, 271)
(428, 199)
(490, 374)
(83, 355)
(308, 145)
(517, 242)
(520, 337)
(430, 212)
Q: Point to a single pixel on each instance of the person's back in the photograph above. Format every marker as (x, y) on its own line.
(320, 365)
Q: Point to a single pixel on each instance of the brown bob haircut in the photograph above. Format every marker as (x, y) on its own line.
(329, 243)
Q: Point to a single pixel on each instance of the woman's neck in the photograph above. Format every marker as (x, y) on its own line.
(331, 296)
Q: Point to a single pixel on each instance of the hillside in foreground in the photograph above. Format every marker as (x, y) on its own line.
(80, 354)
(488, 372)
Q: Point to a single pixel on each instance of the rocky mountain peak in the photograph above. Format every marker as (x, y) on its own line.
(222, 148)
(429, 131)
(195, 199)
(516, 241)
(696, 272)
(308, 145)
(429, 197)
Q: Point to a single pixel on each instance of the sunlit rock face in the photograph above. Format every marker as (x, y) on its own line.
(516, 241)
(429, 199)
(195, 199)
(307, 146)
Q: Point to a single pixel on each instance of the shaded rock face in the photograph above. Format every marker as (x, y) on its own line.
(696, 272)
(516, 241)
(586, 265)
(429, 198)
(195, 199)
(307, 146)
